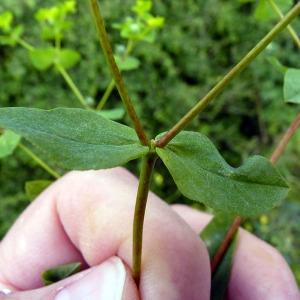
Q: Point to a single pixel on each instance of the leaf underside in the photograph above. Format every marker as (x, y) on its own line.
(75, 138)
(213, 236)
(202, 174)
(291, 87)
(8, 143)
(58, 273)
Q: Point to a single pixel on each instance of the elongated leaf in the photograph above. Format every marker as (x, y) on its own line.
(291, 88)
(60, 272)
(8, 142)
(75, 138)
(35, 187)
(213, 236)
(112, 114)
(202, 174)
(221, 277)
(215, 231)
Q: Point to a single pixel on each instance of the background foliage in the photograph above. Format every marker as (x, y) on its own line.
(200, 42)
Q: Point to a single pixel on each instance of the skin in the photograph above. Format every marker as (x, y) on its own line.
(87, 217)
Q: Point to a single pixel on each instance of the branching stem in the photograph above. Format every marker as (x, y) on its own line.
(163, 141)
(289, 27)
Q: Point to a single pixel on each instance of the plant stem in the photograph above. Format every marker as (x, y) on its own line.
(289, 27)
(39, 161)
(116, 73)
(164, 140)
(25, 45)
(111, 85)
(139, 213)
(225, 243)
(72, 85)
(107, 93)
(283, 142)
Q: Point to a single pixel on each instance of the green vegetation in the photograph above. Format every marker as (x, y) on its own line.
(200, 42)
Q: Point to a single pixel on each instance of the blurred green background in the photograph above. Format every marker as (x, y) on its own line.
(200, 42)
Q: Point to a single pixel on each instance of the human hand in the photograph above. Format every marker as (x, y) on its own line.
(87, 217)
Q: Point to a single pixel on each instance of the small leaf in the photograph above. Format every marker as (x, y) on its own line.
(67, 58)
(6, 19)
(8, 143)
(127, 64)
(202, 174)
(35, 187)
(276, 64)
(265, 12)
(215, 231)
(213, 236)
(142, 6)
(61, 272)
(291, 87)
(42, 59)
(75, 138)
(112, 114)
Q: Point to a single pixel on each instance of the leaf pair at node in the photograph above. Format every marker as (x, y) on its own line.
(82, 140)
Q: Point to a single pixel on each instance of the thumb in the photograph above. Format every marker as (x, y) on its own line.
(111, 280)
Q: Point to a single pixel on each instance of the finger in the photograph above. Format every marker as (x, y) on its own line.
(87, 216)
(258, 271)
(109, 280)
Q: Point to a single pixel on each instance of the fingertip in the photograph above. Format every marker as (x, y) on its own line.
(260, 272)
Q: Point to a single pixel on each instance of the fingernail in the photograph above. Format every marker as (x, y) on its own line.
(105, 281)
(5, 291)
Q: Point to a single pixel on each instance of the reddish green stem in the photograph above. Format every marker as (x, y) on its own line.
(283, 142)
(225, 243)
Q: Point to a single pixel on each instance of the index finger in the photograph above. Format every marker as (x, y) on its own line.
(87, 216)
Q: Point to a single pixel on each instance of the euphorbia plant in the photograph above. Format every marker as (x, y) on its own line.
(196, 166)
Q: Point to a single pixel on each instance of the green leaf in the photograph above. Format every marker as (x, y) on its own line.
(112, 114)
(6, 20)
(265, 12)
(75, 138)
(35, 187)
(8, 143)
(42, 59)
(154, 22)
(202, 174)
(127, 64)
(291, 87)
(58, 273)
(142, 6)
(215, 231)
(213, 236)
(67, 58)
(277, 64)
(221, 277)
